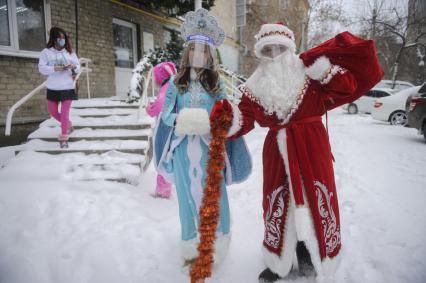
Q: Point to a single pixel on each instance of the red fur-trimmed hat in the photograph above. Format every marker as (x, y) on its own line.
(274, 34)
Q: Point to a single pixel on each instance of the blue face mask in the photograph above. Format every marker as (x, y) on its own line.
(60, 42)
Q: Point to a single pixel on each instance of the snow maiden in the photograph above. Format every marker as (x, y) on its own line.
(289, 94)
(182, 137)
(162, 73)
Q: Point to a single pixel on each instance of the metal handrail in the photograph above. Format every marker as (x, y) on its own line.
(87, 70)
(18, 104)
(27, 97)
(143, 101)
(230, 85)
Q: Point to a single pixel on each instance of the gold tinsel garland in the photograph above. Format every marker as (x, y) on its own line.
(210, 207)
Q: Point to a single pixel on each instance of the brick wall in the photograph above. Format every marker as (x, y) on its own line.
(18, 76)
(95, 42)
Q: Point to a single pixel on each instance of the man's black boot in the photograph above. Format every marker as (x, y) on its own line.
(268, 276)
(306, 268)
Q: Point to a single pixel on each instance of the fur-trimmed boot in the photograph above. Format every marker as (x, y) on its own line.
(306, 268)
(268, 276)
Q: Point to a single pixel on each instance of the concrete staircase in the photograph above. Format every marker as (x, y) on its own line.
(109, 141)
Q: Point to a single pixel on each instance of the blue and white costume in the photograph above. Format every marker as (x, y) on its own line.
(182, 137)
(182, 159)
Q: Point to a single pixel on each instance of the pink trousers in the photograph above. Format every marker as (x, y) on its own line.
(62, 117)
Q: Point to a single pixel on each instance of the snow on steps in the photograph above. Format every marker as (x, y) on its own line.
(99, 112)
(77, 166)
(109, 142)
(97, 146)
(103, 103)
(110, 122)
(51, 134)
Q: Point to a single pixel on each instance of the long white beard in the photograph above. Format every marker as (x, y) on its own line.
(277, 83)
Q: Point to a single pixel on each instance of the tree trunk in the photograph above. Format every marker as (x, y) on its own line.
(396, 66)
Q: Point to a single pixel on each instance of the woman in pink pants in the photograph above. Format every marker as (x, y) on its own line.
(60, 64)
(162, 74)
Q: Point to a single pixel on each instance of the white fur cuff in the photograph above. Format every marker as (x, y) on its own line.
(319, 68)
(304, 225)
(236, 121)
(192, 121)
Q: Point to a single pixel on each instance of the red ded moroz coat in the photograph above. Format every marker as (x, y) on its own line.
(297, 159)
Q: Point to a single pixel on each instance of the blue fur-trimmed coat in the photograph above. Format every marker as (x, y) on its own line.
(238, 160)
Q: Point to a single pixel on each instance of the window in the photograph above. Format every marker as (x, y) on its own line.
(284, 4)
(241, 13)
(423, 89)
(381, 94)
(371, 93)
(23, 28)
(4, 24)
(125, 49)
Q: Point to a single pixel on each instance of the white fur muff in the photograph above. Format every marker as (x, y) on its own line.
(192, 121)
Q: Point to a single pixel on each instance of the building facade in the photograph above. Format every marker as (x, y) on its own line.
(114, 34)
(293, 13)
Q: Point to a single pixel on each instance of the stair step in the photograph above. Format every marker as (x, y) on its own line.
(105, 103)
(110, 122)
(84, 151)
(98, 112)
(51, 134)
(125, 172)
(87, 147)
(109, 142)
(109, 157)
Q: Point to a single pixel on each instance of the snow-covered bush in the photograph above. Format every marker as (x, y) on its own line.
(137, 82)
(171, 52)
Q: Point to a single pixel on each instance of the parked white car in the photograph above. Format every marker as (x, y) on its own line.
(392, 108)
(365, 103)
(399, 85)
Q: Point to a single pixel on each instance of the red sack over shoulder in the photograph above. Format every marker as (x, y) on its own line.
(355, 54)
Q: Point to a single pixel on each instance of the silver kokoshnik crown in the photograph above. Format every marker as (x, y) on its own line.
(200, 26)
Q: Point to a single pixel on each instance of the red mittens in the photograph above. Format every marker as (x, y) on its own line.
(220, 107)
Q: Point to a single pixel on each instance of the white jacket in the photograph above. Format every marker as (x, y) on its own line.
(58, 80)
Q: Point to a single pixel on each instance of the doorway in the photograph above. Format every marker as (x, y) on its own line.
(125, 54)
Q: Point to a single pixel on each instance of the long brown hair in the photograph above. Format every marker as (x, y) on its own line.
(54, 34)
(209, 78)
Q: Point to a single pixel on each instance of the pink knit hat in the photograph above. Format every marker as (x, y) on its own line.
(164, 71)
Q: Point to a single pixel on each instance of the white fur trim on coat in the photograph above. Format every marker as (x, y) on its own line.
(334, 70)
(304, 227)
(282, 264)
(236, 121)
(192, 121)
(304, 224)
(274, 34)
(319, 68)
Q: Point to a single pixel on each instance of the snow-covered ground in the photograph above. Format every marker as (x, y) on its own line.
(53, 229)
